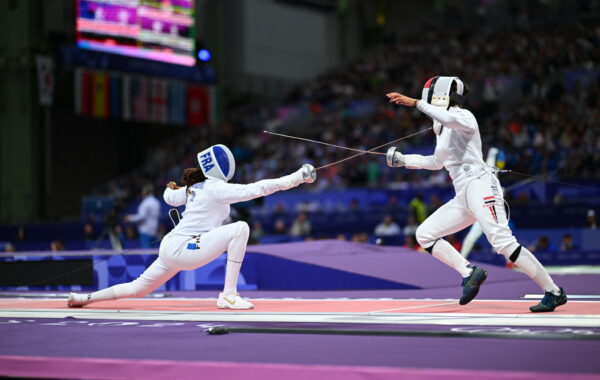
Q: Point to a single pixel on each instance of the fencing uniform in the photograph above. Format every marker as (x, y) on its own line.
(199, 237)
(478, 198)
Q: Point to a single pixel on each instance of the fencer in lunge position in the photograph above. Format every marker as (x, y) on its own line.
(199, 238)
(478, 197)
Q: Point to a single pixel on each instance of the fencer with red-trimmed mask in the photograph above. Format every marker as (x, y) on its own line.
(200, 237)
(478, 196)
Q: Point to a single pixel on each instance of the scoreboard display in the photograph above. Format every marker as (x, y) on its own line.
(160, 30)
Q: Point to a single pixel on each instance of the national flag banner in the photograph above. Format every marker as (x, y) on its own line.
(176, 102)
(158, 100)
(116, 93)
(139, 98)
(100, 94)
(197, 105)
(144, 99)
(45, 67)
(212, 110)
(83, 91)
(77, 93)
(126, 97)
(182, 103)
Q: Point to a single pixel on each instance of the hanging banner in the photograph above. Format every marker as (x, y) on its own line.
(45, 78)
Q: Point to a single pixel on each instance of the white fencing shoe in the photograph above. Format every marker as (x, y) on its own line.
(77, 300)
(233, 301)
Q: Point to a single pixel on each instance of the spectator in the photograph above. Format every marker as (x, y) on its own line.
(146, 217)
(392, 206)
(543, 245)
(256, 233)
(454, 242)
(301, 226)
(112, 225)
(387, 227)
(591, 220)
(435, 202)
(418, 208)
(411, 226)
(21, 234)
(354, 205)
(411, 242)
(279, 227)
(567, 243)
(57, 245)
(130, 233)
(8, 247)
(360, 237)
(88, 232)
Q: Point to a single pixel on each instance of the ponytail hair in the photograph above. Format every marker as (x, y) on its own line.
(192, 176)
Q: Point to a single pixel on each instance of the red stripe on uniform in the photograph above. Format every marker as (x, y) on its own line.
(486, 198)
(493, 212)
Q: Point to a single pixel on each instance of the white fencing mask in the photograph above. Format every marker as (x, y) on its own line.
(437, 92)
(217, 162)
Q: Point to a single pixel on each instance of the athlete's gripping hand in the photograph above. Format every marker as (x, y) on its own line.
(306, 173)
(394, 158)
(401, 99)
(309, 174)
(172, 185)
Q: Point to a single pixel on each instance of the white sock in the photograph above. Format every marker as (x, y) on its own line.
(530, 265)
(236, 250)
(445, 252)
(232, 273)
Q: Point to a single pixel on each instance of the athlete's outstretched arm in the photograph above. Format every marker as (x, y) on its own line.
(455, 120)
(232, 193)
(413, 161)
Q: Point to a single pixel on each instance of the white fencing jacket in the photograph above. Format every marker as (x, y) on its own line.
(458, 146)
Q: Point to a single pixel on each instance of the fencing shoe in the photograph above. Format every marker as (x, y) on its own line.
(471, 285)
(233, 301)
(550, 302)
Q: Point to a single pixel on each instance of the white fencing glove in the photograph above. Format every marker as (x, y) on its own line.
(394, 158)
(309, 174)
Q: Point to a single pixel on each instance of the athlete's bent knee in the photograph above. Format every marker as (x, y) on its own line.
(243, 228)
(424, 238)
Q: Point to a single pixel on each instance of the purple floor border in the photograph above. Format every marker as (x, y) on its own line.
(68, 368)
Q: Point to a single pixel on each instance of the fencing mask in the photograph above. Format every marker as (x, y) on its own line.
(438, 91)
(217, 162)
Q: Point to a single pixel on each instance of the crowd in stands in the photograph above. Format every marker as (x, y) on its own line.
(534, 88)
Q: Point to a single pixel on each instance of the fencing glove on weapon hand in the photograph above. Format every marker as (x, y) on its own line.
(309, 174)
(394, 158)
(306, 173)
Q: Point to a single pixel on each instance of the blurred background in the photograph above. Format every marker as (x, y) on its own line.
(102, 102)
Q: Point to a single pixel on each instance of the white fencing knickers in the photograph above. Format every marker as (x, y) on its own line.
(174, 255)
(482, 201)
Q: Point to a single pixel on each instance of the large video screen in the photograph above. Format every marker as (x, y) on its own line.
(160, 30)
